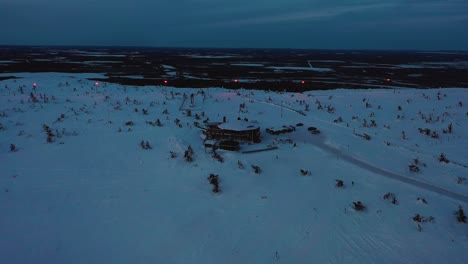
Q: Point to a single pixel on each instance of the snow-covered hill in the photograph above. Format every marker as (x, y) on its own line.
(94, 195)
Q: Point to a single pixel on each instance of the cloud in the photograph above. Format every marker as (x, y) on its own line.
(321, 13)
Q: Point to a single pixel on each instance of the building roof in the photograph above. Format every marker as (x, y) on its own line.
(238, 125)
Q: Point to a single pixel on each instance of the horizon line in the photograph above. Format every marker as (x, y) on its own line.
(231, 48)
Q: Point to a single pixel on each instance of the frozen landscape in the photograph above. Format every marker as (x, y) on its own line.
(96, 172)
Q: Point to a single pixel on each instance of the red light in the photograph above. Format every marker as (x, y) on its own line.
(236, 81)
(34, 84)
(165, 81)
(96, 84)
(389, 80)
(302, 82)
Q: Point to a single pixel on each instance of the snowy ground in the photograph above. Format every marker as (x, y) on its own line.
(93, 195)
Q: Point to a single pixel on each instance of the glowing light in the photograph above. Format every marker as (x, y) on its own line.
(389, 80)
(236, 81)
(302, 82)
(165, 81)
(34, 84)
(96, 84)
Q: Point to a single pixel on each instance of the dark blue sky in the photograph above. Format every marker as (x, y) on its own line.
(325, 24)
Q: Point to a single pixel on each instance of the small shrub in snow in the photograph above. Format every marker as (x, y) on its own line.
(339, 183)
(305, 172)
(256, 169)
(129, 123)
(425, 131)
(13, 148)
(461, 180)
(422, 200)
(460, 215)
(413, 168)
(214, 180)
(442, 158)
(448, 130)
(50, 134)
(158, 123)
(145, 145)
(338, 120)
(358, 206)
(173, 154)
(392, 197)
(420, 228)
(217, 157)
(60, 118)
(240, 165)
(188, 154)
(417, 218)
(421, 219)
(33, 98)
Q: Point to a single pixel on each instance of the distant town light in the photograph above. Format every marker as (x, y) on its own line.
(389, 80)
(236, 81)
(165, 81)
(97, 83)
(302, 82)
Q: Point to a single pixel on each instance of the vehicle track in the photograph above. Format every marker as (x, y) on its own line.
(383, 172)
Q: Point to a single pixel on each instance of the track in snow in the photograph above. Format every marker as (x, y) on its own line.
(369, 167)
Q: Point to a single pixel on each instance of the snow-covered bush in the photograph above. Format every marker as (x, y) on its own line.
(145, 145)
(217, 157)
(13, 148)
(188, 154)
(50, 134)
(391, 196)
(442, 158)
(339, 183)
(214, 180)
(460, 215)
(358, 206)
(421, 219)
(256, 169)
